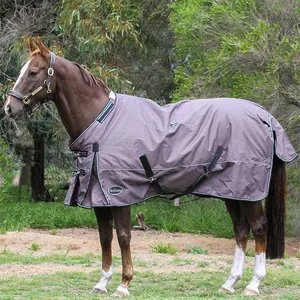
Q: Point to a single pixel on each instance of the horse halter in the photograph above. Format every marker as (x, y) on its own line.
(28, 98)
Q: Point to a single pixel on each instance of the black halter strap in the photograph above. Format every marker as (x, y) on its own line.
(28, 98)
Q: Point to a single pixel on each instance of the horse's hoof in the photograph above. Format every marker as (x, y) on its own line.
(120, 292)
(226, 289)
(99, 291)
(251, 293)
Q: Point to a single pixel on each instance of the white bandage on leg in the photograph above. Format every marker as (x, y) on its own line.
(236, 270)
(259, 273)
(121, 291)
(104, 280)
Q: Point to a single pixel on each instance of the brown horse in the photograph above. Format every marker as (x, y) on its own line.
(79, 98)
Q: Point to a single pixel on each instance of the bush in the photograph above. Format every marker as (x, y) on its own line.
(8, 161)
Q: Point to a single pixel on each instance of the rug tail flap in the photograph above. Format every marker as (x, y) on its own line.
(283, 147)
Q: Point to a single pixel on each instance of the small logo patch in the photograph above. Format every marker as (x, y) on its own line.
(115, 190)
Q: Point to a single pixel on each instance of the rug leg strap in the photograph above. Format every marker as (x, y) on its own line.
(150, 175)
(204, 176)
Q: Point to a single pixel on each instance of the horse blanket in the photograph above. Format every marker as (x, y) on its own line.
(136, 149)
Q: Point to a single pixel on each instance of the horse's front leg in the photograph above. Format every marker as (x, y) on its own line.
(121, 216)
(104, 220)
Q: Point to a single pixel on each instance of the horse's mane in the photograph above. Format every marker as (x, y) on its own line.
(90, 79)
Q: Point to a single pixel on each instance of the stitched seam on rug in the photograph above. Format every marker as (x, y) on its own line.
(186, 166)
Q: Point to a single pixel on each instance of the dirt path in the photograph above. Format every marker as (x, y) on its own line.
(82, 240)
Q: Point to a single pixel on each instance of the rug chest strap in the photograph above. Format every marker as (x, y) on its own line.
(78, 153)
(149, 173)
(204, 176)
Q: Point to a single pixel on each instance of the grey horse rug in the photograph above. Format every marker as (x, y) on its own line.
(136, 149)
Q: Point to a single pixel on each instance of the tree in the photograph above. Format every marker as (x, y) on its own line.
(245, 49)
(126, 43)
(19, 18)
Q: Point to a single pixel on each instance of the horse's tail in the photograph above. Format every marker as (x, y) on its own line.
(275, 210)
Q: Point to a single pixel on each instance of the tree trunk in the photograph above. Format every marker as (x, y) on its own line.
(39, 191)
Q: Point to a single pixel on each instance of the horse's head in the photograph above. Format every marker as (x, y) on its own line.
(32, 87)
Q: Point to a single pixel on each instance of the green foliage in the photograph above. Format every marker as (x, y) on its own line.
(18, 213)
(195, 250)
(126, 43)
(8, 161)
(35, 247)
(93, 31)
(250, 252)
(164, 248)
(202, 216)
(244, 49)
(293, 203)
(56, 179)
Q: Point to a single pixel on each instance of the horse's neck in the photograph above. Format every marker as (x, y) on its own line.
(78, 104)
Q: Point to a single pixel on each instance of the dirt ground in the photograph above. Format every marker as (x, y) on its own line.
(83, 240)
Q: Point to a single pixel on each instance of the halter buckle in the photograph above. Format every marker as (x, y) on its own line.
(50, 71)
(26, 100)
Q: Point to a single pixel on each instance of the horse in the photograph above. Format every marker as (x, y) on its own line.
(80, 97)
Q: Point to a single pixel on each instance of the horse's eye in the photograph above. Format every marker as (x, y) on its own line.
(32, 73)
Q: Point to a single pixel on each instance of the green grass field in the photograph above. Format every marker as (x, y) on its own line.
(282, 281)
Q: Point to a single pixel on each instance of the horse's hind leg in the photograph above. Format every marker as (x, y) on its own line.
(104, 220)
(241, 231)
(258, 224)
(121, 216)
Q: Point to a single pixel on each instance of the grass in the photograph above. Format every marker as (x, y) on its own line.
(182, 261)
(250, 252)
(35, 247)
(164, 248)
(18, 213)
(202, 216)
(280, 283)
(195, 250)
(7, 257)
(206, 216)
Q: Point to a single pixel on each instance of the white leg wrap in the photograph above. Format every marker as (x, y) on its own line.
(259, 273)
(236, 270)
(104, 280)
(121, 291)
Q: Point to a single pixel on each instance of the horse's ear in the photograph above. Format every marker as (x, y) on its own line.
(32, 45)
(44, 50)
